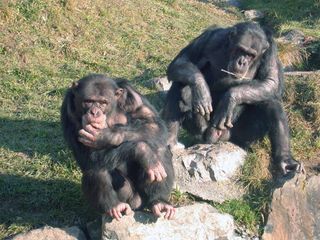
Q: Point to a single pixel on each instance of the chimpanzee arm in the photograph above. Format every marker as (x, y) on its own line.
(266, 85)
(186, 68)
(138, 130)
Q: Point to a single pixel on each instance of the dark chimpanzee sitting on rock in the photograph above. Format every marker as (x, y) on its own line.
(227, 85)
(120, 144)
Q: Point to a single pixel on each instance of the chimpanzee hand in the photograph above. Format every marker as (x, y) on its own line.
(223, 114)
(89, 136)
(116, 212)
(201, 99)
(156, 172)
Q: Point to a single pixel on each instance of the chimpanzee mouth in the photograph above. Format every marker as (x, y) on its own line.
(243, 77)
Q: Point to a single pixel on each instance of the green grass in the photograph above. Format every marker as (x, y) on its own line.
(46, 45)
(285, 15)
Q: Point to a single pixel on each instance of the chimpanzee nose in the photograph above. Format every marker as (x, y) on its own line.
(95, 112)
(241, 62)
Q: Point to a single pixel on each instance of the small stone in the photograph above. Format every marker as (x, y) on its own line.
(161, 83)
(253, 14)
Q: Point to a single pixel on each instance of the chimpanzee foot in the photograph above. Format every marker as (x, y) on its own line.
(116, 212)
(160, 207)
(214, 135)
(287, 168)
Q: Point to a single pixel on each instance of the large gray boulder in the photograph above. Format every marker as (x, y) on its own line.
(209, 171)
(50, 233)
(295, 210)
(198, 221)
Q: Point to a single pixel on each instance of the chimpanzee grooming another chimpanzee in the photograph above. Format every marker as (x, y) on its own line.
(120, 144)
(227, 85)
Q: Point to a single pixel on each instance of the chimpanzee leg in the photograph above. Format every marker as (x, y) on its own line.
(98, 189)
(178, 110)
(124, 186)
(256, 121)
(280, 138)
(156, 194)
(172, 113)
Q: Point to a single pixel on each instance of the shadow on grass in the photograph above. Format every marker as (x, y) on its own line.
(31, 203)
(34, 137)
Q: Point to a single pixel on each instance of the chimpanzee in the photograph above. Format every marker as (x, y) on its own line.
(227, 85)
(120, 144)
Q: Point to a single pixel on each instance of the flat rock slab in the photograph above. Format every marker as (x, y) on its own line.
(50, 233)
(198, 221)
(295, 210)
(209, 171)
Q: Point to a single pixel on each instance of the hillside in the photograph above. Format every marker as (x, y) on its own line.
(46, 45)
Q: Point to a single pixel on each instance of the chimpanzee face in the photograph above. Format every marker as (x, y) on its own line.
(245, 48)
(96, 100)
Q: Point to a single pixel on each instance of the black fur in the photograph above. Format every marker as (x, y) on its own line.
(246, 106)
(115, 162)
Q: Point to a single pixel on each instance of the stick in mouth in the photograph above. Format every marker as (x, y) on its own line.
(233, 74)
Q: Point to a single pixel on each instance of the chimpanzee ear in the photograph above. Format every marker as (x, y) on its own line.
(119, 92)
(70, 105)
(130, 99)
(74, 85)
(266, 45)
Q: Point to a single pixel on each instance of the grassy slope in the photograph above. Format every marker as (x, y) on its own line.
(290, 14)
(44, 46)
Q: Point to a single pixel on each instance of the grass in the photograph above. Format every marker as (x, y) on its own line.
(46, 45)
(302, 15)
(285, 15)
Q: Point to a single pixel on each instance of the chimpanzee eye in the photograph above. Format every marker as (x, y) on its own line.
(104, 104)
(87, 103)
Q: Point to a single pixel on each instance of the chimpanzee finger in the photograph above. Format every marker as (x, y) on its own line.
(86, 142)
(202, 111)
(228, 122)
(162, 171)
(117, 214)
(83, 133)
(169, 212)
(128, 209)
(156, 210)
(207, 110)
(172, 213)
(158, 176)
(210, 107)
(221, 125)
(91, 129)
(151, 175)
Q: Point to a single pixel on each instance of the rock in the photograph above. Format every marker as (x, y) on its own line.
(253, 14)
(94, 229)
(295, 210)
(293, 37)
(198, 221)
(50, 233)
(208, 171)
(161, 83)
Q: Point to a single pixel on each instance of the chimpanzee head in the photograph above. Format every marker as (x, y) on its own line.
(95, 98)
(247, 43)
